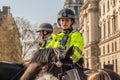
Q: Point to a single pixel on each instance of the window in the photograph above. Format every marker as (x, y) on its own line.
(108, 48)
(108, 5)
(116, 65)
(115, 46)
(80, 1)
(104, 29)
(113, 24)
(116, 22)
(76, 10)
(103, 9)
(112, 47)
(87, 63)
(108, 28)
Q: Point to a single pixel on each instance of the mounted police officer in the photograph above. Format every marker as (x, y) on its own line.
(70, 41)
(69, 37)
(45, 30)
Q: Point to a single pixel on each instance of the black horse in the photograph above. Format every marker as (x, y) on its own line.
(49, 60)
(53, 61)
(11, 71)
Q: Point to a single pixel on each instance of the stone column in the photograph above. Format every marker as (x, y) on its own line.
(93, 21)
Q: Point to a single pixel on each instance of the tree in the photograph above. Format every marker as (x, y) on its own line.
(27, 37)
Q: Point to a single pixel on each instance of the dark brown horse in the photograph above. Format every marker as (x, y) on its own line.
(53, 61)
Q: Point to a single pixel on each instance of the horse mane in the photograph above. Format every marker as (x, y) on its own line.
(43, 56)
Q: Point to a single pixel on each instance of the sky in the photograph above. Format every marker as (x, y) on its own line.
(35, 11)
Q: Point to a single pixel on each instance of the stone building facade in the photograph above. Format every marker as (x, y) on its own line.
(90, 29)
(109, 23)
(10, 47)
(100, 25)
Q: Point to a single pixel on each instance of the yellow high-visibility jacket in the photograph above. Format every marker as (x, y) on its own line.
(46, 43)
(75, 38)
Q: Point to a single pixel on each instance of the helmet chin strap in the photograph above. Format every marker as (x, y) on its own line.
(68, 30)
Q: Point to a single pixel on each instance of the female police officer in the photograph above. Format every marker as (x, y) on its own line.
(69, 37)
(70, 42)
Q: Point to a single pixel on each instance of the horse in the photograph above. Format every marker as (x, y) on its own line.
(49, 60)
(11, 71)
(52, 61)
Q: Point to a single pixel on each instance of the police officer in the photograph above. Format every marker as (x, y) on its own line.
(45, 30)
(68, 37)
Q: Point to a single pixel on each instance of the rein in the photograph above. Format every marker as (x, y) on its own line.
(16, 75)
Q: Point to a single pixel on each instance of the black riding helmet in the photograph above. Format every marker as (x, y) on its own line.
(45, 27)
(66, 13)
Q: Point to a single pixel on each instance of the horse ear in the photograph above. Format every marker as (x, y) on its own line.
(69, 52)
